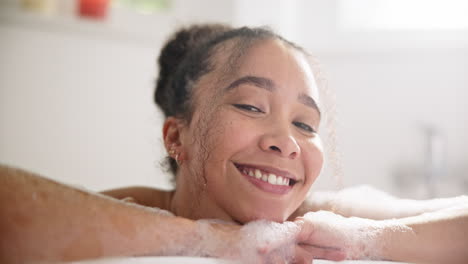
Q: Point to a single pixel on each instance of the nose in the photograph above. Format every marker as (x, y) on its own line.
(280, 143)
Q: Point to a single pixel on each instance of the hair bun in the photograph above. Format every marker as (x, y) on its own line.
(173, 53)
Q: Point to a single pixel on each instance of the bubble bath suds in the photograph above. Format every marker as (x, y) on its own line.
(275, 242)
(259, 239)
(257, 242)
(360, 238)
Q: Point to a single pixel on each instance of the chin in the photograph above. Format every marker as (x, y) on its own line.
(259, 214)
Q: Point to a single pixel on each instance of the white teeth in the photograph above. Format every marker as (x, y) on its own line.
(271, 178)
(267, 177)
(279, 180)
(258, 174)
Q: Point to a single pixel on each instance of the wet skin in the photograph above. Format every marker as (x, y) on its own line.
(262, 117)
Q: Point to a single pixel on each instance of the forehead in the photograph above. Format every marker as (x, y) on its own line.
(287, 67)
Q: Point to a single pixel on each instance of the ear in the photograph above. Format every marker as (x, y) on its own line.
(172, 131)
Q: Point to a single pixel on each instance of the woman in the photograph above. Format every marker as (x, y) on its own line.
(242, 114)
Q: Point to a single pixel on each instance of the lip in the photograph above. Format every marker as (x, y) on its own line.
(265, 186)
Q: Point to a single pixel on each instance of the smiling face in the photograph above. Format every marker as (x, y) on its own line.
(258, 133)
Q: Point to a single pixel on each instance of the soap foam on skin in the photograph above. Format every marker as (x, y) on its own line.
(360, 238)
(258, 240)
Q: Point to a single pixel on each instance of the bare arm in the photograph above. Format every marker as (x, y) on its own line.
(42, 220)
(368, 202)
(45, 221)
(435, 237)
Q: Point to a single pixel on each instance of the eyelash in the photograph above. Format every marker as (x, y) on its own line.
(304, 127)
(254, 109)
(249, 108)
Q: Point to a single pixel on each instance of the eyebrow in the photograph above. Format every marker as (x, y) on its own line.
(269, 85)
(308, 101)
(260, 82)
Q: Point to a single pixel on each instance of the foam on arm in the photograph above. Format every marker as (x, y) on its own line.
(42, 220)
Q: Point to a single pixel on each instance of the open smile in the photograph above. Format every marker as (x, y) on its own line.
(267, 179)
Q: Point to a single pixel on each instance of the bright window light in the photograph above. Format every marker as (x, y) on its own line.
(403, 14)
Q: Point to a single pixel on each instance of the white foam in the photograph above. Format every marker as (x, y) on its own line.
(360, 238)
(258, 240)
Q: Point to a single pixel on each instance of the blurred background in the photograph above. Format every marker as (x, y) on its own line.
(76, 86)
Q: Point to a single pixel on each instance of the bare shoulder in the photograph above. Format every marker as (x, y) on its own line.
(142, 195)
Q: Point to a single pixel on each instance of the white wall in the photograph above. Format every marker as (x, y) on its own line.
(389, 85)
(78, 109)
(76, 96)
(76, 101)
(385, 99)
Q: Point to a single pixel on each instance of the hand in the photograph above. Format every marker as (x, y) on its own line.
(270, 242)
(257, 242)
(334, 237)
(276, 243)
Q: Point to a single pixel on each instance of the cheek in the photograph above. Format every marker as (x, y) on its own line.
(313, 159)
(224, 136)
(232, 136)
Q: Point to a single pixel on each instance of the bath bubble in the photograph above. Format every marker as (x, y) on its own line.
(259, 240)
(265, 237)
(360, 238)
(270, 242)
(156, 210)
(355, 201)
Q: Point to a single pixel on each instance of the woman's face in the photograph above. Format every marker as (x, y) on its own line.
(258, 132)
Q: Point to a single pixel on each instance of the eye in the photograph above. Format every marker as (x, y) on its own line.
(304, 127)
(249, 108)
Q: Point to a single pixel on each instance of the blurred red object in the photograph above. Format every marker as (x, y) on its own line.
(94, 8)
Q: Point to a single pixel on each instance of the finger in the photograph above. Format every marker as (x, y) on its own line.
(307, 229)
(334, 254)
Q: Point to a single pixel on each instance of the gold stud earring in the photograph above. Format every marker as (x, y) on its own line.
(171, 150)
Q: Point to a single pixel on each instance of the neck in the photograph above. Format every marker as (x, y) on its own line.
(192, 201)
